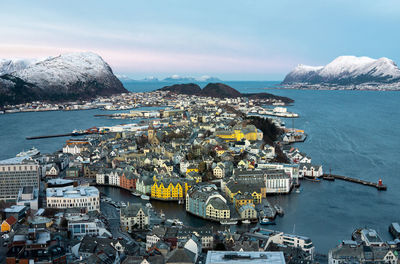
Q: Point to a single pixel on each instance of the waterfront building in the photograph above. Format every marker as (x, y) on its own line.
(87, 197)
(278, 182)
(134, 216)
(290, 240)
(144, 184)
(350, 251)
(15, 174)
(244, 257)
(247, 211)
(170, 188)
(28, 196)
(128, 180)
(203, 197)
(246, 188)
(310, 170)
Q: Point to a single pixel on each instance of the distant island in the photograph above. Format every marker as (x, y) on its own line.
(174, 79)
(72, 76)
(219, 90)
(347, 72)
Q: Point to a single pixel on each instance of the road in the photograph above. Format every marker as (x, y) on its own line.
(111, 214)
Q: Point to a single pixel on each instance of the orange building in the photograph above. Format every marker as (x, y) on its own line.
(8, 224)
(128, 180)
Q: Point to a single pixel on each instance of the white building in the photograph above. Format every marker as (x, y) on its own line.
(74, 197)
(28, 196)
(219, 170)
(82, 227)
(278, 183)
(16, 173)
(302, 242)
(134, 216)
(310, 170)
(73, 149)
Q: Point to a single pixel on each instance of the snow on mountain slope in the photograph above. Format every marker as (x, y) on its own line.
(9, 66)
(72, 76)
(65, 69)
(347, 70)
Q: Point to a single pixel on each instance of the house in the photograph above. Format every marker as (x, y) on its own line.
(219, 170)
(52, 171)
(310, 170)
(247, 211)
(134, 216)
(8, 224)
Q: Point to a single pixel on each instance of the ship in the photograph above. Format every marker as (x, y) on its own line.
(145, 197)
(279, 210)
(246, 221)
(136, 194)
(266, 221)
(228, 222)
(32, 152)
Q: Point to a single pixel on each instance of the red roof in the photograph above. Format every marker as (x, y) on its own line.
(11, 220)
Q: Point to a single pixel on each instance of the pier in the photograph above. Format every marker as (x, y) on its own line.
(378, 185)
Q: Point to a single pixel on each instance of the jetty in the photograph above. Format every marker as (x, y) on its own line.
(378, 185)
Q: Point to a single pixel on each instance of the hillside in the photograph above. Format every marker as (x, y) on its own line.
(219, 90)
(70, 76)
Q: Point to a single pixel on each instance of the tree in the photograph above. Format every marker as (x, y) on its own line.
(202, 167)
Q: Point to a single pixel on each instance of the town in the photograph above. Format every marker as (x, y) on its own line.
(217, 159)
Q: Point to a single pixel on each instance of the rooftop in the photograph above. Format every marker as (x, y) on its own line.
(245, 257)
(73, 192)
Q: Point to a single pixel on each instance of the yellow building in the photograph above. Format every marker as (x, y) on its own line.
(238, 133)
(233, 188)
(169, 189)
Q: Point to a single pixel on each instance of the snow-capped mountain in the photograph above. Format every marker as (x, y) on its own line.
(71, 76)
(347, 70)
(9, 66)
(180, 79)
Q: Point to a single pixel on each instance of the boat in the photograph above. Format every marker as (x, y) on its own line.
(162, 215)
(228, 222)
(279, 210)
(136, 194)
(145, 197)
(123, 204)
(181, 201)
(313, 179)
(246, 221)
(394, 230)
(297, 190)
(148, 205)
(32, 152)
(77, 132)
(267, 221)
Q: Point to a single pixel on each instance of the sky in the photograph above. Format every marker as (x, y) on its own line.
(231, 40)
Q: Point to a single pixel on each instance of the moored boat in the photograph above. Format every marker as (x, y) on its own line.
(266, 221)
(394, 230)
(279, 210)
(32, 152)
(246, 221)
(228, 222)
(145, 197)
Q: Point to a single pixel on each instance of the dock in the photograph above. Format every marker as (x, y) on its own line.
(378, 185)
(59, 135)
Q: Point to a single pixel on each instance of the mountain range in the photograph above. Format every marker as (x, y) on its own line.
(173, 78)
(72, 76)
(348, 71)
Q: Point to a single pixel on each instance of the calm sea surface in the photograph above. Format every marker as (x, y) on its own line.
(355, 133)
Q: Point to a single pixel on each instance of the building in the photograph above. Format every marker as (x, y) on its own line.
(134, 216)
(15, 174)
(310, 170)
(244, 257)
(350, 251)
(290, 240)
(35, 246)
(203, 196)
(87, 197)
(238, 133)
(28, 196)
(247, 211)
(170, 189)
(91, 227)
(7, 224)
(278, 182)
